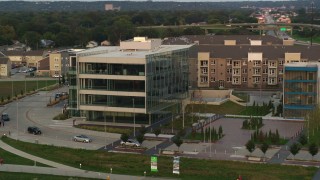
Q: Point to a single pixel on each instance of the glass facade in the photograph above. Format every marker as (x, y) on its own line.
(167, 83)
(300, 91)
(159, 95)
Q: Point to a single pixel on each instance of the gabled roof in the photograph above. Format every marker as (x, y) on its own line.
(269, 52)
(4, 60)
(44, 64)
(219, 39)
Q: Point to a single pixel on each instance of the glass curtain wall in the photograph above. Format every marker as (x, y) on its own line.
(167, 83)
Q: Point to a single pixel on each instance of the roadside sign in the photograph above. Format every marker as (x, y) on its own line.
(176, 165)
(154, 162)
(283, 29)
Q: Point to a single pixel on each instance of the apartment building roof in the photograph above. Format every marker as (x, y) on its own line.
(23, 53)
(219, 39)
(270, 52)
(44, 64)
(115, 51)
(4, 60)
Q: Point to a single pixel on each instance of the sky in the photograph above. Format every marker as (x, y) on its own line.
(156, 0)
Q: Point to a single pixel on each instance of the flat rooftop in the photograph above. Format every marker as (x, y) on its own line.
(114, 51)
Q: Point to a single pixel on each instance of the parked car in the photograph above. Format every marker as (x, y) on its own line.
(34, 130)
(56, 76)
(57, 95)
(5, 117)
(130, 142)
(82, 138)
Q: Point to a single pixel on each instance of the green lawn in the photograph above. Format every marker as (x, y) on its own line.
(315, 39)
(28, 176)
(133, 164)
(18, 86)
(10, 158)
(225, 108)
(255, 111)
(242, 95)
(178, 123)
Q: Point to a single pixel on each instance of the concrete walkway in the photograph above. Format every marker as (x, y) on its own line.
(8, 148)
(70, 173)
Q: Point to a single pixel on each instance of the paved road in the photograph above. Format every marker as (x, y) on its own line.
(32, 110)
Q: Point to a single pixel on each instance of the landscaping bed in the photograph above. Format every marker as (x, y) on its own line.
(108, 128)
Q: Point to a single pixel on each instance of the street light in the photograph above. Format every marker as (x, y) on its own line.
(134, 119)
(17, 118)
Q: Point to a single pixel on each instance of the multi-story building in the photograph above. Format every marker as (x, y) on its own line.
(301, 89)
(5, 66)
(26, 58)
(242, 62)
(141, 80)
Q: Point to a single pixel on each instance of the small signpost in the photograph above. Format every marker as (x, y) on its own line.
(154, 164)
(176, 165)
(283, 29)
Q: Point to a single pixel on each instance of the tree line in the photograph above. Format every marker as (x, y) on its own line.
(78, 28)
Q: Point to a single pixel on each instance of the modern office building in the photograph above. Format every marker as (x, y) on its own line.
(242, 61)
(139, 81)
(301, 89)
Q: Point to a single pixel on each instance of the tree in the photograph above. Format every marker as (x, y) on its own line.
(140, 138)
(313, 149)
(63, 79)
(157, 131)
(220, 131)
(143, 130)
(124, 137)
(303, 139)
(177, 141)
(264, 147)
(250, 145)
(294, 149)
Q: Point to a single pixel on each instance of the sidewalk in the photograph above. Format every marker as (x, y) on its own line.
(8, 148)
(70, 173)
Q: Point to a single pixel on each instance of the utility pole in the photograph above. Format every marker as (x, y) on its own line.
(312, 16)
(134, 119)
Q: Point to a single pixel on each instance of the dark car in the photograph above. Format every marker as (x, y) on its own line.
(34, 130)
(5, 117)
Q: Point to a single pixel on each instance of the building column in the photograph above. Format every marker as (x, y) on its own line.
(114, 118)
(149, 119)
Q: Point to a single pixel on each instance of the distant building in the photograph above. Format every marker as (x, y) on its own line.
(139, 80)
(5, 66)
(110, 7)
(241, 61)
(301, 89)
(92, 44)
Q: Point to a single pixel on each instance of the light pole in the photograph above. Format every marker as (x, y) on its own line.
(11, 89)
(134, 119)
(17, 118)
(105, 130)
(210, 137)
(25, 85)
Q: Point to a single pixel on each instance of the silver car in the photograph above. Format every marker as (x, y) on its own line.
(130, 142)
(82, 138)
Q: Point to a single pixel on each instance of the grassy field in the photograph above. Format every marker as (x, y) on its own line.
(315, 39)
(255, 111)
(242, 95)
(28, 176)
(10, 158)
(18, 86)
(190, 169)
